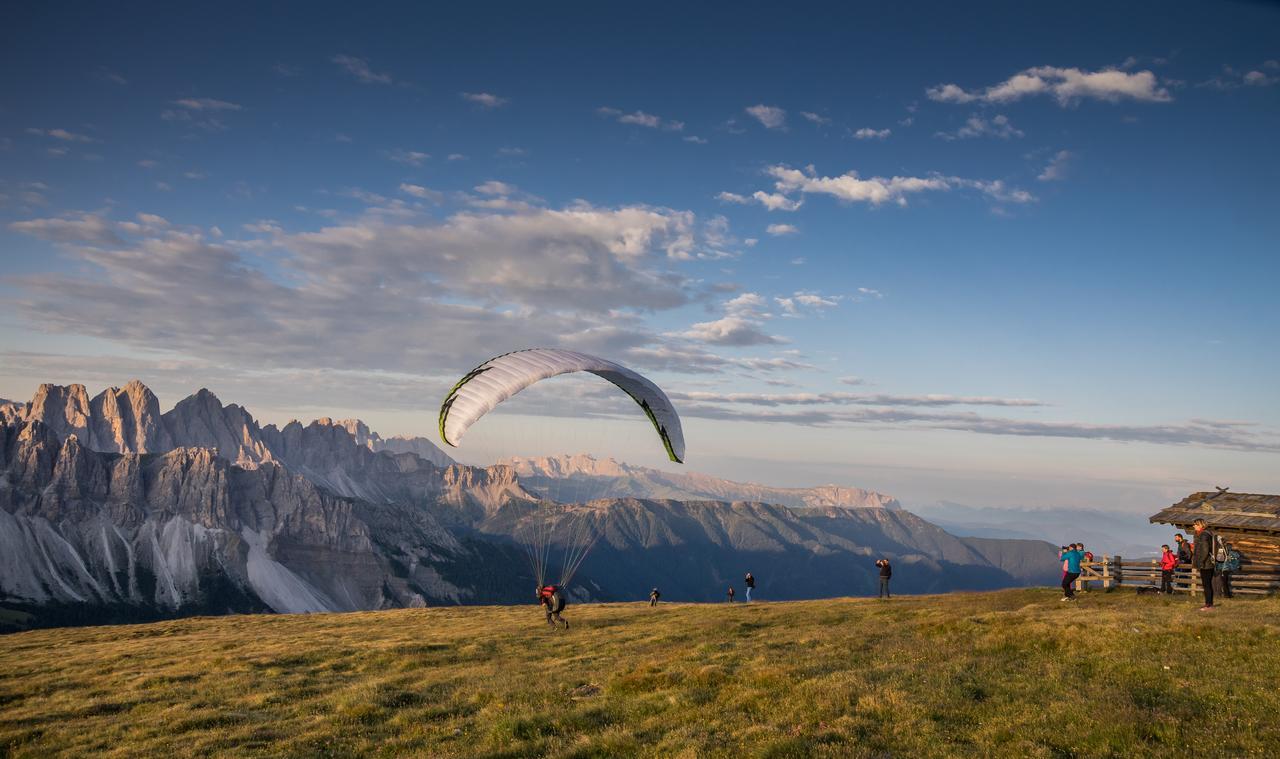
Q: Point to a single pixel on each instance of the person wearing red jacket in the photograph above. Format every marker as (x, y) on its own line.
(552, 599)
(1168, 563)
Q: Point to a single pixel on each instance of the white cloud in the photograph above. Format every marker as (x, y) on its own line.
(770, 116)
(62, 134)
(87, 228)
(1057, 167)
(778, 230)
(196, 112)
(695, 140)
(776, 201)
(286, 70)
(851, 188)
(867, 133)
(867, 292)
(582, 274)
(815, 118)
(193, 175)
(206, 104)
(408, 157)
(456, 157)
(876, 191)
(746, 305)
(484, 99)
(493, 187)
(1231, 79)
(1259, 79)
(730, 330)
(360, 69)
(1066, 85)
(418, 191)
(771, 201)
(640, 118)
(976, 126)
(793, 305)
(857, 399)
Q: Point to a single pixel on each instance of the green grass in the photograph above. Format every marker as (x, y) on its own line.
(1011, 673)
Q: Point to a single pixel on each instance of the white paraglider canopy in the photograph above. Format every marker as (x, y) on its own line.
(499, 378)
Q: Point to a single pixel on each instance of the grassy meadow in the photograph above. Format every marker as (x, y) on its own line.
(1010, 673)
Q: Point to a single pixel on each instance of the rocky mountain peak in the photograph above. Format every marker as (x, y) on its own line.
(64, 408)
(200, 420)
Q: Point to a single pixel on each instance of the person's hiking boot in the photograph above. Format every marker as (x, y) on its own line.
(1205, 608)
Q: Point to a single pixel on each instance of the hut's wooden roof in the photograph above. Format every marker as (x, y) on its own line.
(1240, 511)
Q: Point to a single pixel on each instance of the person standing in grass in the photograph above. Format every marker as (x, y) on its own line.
(750, 582)
(1202, 560)
(1228, 564)
(1071, 570)
(1168, 562)
(654, 595)
(1184, 548)
(731, 593)
(886, 572)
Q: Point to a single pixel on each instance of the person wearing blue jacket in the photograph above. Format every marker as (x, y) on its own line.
(1071, 557)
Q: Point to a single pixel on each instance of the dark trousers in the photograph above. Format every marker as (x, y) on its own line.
(1223, 579)
(1206, 580)
(884, 587)
(1166, 581)
(1068, 580)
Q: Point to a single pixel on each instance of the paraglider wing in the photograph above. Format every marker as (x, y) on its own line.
(499, 378)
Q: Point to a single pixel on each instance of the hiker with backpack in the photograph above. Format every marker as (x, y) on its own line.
(1184, 548)
(1228, 563)
(750, 581)
(1168, 563)
(1202, 559)
(552, 599)
(654, 595)
(1071, 558)
(731, 594)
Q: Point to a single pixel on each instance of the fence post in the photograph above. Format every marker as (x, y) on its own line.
(1106, 572)
(1194, 582)
(1119, 570)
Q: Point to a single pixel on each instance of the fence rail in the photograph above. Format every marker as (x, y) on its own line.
(1115, 571)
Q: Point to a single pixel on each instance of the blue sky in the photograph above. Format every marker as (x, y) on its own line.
(1022, 256)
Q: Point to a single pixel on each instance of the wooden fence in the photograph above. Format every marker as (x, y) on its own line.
(1114, 571)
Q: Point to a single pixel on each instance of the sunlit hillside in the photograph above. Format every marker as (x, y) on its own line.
(1008, 673)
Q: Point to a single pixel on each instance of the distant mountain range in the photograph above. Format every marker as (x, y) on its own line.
(583, 477)
(112, 511)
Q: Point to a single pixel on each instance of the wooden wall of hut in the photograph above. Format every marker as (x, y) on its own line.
(1255, 550)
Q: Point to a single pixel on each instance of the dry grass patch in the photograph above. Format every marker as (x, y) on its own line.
(1013, 673)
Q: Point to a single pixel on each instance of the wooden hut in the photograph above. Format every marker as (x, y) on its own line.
(1249, 521)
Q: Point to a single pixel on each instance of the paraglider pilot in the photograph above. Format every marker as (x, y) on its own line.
(552, 600)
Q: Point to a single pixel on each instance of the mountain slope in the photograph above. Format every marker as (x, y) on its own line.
(189, 530)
